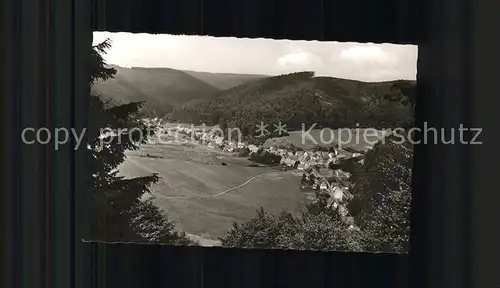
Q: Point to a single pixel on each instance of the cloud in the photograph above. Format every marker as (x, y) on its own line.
(366, 62)
(294, 58)
(361, 54)
(298, 59)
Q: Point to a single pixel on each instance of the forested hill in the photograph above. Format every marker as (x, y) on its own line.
(223, 81)
(299, 98)
(163, 89)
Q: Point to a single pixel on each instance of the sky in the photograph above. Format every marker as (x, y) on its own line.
(359, 61)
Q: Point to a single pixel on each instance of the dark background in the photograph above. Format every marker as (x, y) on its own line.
(455, 202)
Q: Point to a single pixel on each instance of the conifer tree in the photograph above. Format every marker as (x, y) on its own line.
(118, 211)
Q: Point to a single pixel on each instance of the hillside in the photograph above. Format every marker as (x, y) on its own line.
(162, 89)
(224, 81)
(300, 98)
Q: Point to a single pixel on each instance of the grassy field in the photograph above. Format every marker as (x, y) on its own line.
(203, 197)
(362, 139)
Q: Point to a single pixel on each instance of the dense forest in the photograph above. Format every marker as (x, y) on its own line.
(163, 89)
(300, 98)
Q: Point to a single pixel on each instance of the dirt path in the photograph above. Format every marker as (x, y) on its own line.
(197, 238)
(238, 186)
(218, 194)
(131, 159)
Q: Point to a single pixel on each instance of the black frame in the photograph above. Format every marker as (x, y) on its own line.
(453, 185)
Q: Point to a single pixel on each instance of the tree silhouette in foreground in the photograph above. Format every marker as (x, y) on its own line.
(383, 196)
(118, 210)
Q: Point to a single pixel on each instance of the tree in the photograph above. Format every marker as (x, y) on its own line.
(312, 179)
(244, 152)
(383, 196)
(117, 211)
(407, 92)
(222, 123)
(310, 231)
(264, 157)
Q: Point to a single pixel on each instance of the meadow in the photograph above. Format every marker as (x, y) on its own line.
(203, 197)
(359, 139)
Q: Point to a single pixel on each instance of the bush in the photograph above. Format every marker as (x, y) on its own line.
(311, 231)
(265, 157)
(244, 152)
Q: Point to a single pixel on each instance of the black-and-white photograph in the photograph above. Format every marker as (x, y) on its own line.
(251, 143)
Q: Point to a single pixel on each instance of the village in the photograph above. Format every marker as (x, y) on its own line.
(316, 167)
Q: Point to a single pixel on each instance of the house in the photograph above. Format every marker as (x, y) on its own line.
(253, 148)
(304, 157)
(287, 161)
(342, 175)
(218, 140)
(338, 193)
(323, 186)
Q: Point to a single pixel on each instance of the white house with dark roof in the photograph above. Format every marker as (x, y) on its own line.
(338, 193)
(253, 148)
(287, 161)
(323, 186)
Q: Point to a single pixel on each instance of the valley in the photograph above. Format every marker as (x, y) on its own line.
(206, 187)
(193, 182)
